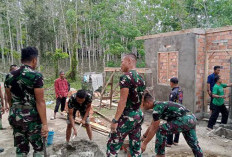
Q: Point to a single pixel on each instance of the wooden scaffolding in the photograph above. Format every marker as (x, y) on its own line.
(110, 82)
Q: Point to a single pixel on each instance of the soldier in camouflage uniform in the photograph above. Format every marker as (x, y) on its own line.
(27, 116)
(13, 67)
(178, 118)
(176, 95)
(129, 117)
(2, 108)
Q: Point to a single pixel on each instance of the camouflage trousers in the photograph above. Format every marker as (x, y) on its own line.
(186, 125)
(129, 124)
(26, 133)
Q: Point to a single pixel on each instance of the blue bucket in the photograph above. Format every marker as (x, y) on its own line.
(50, 137)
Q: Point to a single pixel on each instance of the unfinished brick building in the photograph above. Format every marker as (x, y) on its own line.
(189, 55)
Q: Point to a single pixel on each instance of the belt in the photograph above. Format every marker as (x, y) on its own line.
(23, 107)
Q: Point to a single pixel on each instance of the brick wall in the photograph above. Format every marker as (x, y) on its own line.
(215, 44)
(163, 67)
(219, 42)
(168, 66)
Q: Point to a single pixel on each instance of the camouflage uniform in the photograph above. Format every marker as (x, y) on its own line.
(131, 120)
(179, 119)
(73, 104)
(176, 96)
(23, 116)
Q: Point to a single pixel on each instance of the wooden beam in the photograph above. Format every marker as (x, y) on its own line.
(103, 116)
(118, 69)
(104, 88)
(95, 126)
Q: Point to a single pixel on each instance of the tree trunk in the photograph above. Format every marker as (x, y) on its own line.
(89, 48)
(9, 30)
(66, 33)
(2, 43)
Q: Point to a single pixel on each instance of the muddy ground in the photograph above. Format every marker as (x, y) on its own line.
(213, 146)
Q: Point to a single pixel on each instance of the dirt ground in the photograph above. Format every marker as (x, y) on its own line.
(213, 146)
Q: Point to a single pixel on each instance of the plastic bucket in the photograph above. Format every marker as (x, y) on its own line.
(50, 137)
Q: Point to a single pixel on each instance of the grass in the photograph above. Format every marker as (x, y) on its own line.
(108, 112)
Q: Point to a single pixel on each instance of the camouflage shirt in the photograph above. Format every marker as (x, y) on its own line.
(176, 95)
(22, 83)
(168, 110)
(136, 85)
(73, 104)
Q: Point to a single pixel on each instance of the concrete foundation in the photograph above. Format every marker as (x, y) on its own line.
(224, 131)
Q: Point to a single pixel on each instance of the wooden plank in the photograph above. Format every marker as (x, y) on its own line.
(111, 90)
(118, 69)
(105, 98)
(104, 88)
(111, 76)
(115, 88)
(95, 126)
(103, 116)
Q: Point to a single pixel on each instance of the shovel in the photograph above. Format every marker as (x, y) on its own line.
(69, 146)
(44, 147)
(74, 136)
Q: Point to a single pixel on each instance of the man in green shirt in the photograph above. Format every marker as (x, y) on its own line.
(218, 101)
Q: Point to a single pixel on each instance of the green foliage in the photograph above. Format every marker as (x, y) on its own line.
(113, 64)
(72, 74)
(96, 25)
(141, 64)
(58, 55)
(16, 55)
(115, 49)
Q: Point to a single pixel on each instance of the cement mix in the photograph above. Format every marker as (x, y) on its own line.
(80, 148)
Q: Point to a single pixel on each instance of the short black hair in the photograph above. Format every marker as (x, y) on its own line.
(216, 67)
(62, 72)
(216, 78)
(147, 96)
(28, 53)
(174, 80)
(81, 94)
(12, 66)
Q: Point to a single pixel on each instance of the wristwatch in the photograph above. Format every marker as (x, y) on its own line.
(114, 121)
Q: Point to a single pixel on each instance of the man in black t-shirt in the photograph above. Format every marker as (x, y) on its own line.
(80, 101)
(176, 95)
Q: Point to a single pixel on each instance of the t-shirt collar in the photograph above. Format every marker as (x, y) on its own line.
(174, 88)
(28, 66)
